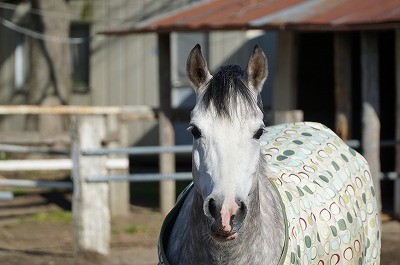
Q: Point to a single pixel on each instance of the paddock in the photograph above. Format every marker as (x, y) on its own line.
(99, 167)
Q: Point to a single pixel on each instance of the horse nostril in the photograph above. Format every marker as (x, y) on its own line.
(242, 212)
(212, 208)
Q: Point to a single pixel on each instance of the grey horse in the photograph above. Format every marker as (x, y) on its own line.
(286, 194)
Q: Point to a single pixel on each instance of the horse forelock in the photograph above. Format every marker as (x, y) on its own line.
(226, 90)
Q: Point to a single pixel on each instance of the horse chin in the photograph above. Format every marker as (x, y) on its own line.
(223, 238)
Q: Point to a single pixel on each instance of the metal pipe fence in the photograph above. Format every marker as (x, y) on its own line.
(141, 177)
(140, 150)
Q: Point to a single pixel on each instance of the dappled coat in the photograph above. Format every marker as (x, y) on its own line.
(326, 191)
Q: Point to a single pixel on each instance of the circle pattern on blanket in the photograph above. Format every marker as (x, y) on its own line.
(327, 191)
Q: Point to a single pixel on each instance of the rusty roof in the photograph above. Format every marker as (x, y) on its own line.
(312, 15)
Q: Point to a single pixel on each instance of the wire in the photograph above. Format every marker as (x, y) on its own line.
(40, 36)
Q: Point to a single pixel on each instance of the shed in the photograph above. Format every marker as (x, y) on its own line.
(289, 19)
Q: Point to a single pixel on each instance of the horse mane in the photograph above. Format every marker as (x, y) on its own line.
(226, 89)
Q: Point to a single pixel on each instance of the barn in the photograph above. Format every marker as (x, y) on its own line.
(331, 62)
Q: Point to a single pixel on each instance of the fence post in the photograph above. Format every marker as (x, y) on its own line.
(166, 129)
(90, 204)
(119, 190)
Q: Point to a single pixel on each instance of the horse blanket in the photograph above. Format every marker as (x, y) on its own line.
(326, 193)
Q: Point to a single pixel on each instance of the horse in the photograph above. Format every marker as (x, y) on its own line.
(285, 194)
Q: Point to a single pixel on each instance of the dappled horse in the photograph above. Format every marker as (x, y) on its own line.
(286, 194)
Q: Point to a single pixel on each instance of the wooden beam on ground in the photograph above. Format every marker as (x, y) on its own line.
(371, 125)
(166, 129)
(90, 205)
(342, 61)
(397, 115)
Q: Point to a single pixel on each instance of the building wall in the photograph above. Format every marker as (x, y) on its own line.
(123, 70)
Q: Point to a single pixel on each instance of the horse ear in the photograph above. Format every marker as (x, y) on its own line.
(257, 69)
(196, 67)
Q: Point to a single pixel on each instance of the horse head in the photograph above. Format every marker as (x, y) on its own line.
(226, 123)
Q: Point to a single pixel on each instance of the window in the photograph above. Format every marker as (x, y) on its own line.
(80, 58)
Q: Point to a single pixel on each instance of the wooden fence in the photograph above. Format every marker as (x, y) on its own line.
(91, 127)
(99, 167)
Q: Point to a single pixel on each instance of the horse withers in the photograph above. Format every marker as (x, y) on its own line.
(286, 194)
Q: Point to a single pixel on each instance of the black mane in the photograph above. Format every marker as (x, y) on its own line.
(224, 90)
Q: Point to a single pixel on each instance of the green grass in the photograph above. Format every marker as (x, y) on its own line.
(63, 217)
(132, 229)
(19, 191)
(115, 231)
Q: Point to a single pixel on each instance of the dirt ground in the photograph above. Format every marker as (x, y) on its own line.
(44, 235)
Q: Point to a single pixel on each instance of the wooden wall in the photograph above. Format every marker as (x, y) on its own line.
(123, 69)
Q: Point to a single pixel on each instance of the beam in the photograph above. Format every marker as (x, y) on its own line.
(342, 61)
(117, 163)
(371, 125)
(397, 134)
(285, 79)
(166, 129)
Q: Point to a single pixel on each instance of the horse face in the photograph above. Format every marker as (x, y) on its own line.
(226, 124)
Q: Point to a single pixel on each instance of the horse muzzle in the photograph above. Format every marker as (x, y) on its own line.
(225, 219)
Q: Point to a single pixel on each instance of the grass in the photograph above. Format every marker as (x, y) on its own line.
(115, 231)
(63, 217)
(132, 229)
(19, 191)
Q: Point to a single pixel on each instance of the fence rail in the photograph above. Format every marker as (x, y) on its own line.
(35, 183)
(141, 177)
(141, 150)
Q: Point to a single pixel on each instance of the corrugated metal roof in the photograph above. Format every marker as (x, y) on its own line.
(333, 15)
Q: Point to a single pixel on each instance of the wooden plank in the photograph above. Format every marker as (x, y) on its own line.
(370, 107)
(166, 129)
(65, 110)
(91, 213)
(114, 163)
(342, 61)
(397, 133)
(32, 138)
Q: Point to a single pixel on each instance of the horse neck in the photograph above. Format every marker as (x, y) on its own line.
(264, 227)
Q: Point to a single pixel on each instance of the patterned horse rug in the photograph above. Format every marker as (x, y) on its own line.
(326, 192)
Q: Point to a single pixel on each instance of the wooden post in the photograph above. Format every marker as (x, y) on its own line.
(285, 80)
(119, 190)
(166, 129)
(370, 107)
(397, 166)
(342, 59)
(90, 204)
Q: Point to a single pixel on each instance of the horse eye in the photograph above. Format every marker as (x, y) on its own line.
(195, 131)
(258, 133)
